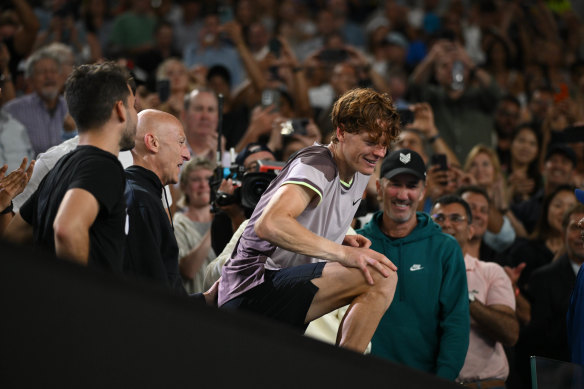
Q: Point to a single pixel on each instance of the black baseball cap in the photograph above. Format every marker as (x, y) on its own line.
(403, 161)
(563, 149)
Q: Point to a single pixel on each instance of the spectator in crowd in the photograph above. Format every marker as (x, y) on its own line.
(163, 49)
(96, 24)
(133, 31)
(506, 121)
(210, 48)
(540, 100)
(523, 173)
(459, 104)
(200, 118)
(173, 72)
(482, 243)
(18, 31)
(78, 211)
(236, 116)
(479, 204)
(231, 215)
(483, 166)
(192, 224)
(189, 24)
(151, 250)
(558, 169)
(501, 64)
(549, 292)
(426, 326)
(546, 242)
(43, 111)
(491, 302)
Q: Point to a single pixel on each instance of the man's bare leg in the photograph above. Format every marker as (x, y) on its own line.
(339, 286)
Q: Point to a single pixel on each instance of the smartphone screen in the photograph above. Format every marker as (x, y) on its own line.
(271, 97)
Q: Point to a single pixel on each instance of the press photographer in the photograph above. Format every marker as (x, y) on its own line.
(236, 193)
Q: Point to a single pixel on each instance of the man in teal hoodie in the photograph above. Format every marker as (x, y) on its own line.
(427, 325)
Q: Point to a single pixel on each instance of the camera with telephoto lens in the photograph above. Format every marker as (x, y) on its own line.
(249, 185)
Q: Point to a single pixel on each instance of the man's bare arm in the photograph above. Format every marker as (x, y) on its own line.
(75, 216)
(497, 320)
(18, 231)
(279, 226)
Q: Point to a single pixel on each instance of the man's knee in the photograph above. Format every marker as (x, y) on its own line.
(385, 286)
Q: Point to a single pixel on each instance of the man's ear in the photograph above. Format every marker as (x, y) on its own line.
(120, 110)
(340, 134)
(151, 142)
(471, 231)
(422, 192)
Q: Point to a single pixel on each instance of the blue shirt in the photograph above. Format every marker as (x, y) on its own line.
(44, 129)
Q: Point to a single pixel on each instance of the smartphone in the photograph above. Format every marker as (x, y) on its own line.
(294, 126)
(457, 76)
(163, 90)
(271, 97)
(440, 160)
(275, 47)
(406, 116)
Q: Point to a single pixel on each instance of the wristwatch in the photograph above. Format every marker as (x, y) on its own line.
(471, 297)
(8, 209)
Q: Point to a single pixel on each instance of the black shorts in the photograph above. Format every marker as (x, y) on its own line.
(285, 295)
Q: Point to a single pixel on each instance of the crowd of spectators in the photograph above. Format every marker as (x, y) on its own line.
(495, 86)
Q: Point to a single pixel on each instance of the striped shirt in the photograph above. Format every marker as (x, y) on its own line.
(44, 129)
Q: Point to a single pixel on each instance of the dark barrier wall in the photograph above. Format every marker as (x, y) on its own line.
(62, 325)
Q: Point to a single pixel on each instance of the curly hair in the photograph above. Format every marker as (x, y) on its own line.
(365, 110)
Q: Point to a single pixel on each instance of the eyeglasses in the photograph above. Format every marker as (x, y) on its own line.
(454, 218)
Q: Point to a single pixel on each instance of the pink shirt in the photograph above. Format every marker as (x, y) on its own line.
(491, 286)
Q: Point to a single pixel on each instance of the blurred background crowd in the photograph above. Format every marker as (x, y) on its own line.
(490, 93)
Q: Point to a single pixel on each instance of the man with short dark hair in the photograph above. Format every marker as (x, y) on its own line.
(78, 211)
(559, 166)
(426, 326)
(550, 287)
(491, 302)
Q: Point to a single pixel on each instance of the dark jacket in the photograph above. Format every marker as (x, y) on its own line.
(151, 251)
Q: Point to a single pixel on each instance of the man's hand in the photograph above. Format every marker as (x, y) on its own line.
(356, 241)
(514, 272)
(440, 182)
(13, 184)
(423, 120)
(211, 294)
(361, 258)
